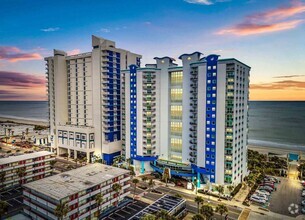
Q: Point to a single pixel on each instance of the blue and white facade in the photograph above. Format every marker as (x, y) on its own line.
(84, 92)
(200, 117)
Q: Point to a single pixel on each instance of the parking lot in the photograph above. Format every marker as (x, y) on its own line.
(127, 211)
(14, 199)
(288, 193)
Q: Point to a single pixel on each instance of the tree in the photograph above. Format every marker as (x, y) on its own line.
(3, 208)
(178, 195)
(83, 160)
(144, 179)
(99, 200)
(135, 182)
(52, 163)
(132, 173)
(164, 215)
(199, 200)
(76, 160)
(165, 177)
(61, 210)
(151, 184)
(207, 211)
(230, 188)
(21, 172)
(2, 178)
(221, 209)
(198, 217)
(117, 188)
(220, 189)
(148, 217)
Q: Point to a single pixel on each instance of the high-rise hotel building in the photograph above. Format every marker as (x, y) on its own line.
(84, 94)
(192, 118)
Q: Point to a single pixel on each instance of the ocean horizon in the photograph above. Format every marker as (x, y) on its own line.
(279, 124)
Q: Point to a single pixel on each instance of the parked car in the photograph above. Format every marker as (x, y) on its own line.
(263, 192)
(303, 202)
(267, 181)
(303, 193)
(261, 196)
(303, 210)
(267, 184)
(267, 188)
(258, 200)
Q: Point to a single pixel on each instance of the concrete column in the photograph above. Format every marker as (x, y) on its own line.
(198, 180)
(75, 154)
(69, 153)
(142, 167)
(88, 157)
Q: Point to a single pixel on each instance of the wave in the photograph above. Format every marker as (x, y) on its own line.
(291, 146)
(23, 118)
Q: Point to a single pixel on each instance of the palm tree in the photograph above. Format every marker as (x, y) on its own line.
(76, 160)
(132, 173)
(164, 215)
(52, 163)
(199, 200)
(21, 173)
(2, 178)
(135, 182)
(221, 209)
(220, 189)
(3, 208)
(151, 184)
(117, 188)
(198, 217)
(165, 177)
(207, 211)
(98, 199)
(61, 210)
(230, 188)
(144, 179)
(148, 217)
(84, 160)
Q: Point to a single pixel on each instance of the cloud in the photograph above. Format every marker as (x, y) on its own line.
(285, 84)
(147, 23)
(23, 80)
(73, 52)
(21, 86)
(104, 30)
(288, 76)
(14, 54)
(50, 29)
(279, 19)
(250, 29)
(205, 2)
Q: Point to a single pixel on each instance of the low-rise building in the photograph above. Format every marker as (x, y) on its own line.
(12, 129)
(78, 189)
(16, 170)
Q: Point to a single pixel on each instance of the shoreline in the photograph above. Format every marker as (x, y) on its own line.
(276, 150)
(27, 121)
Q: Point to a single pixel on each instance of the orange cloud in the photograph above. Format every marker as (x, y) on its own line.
(14, 54)
(281, 90)
(267, 22)
(73, 52)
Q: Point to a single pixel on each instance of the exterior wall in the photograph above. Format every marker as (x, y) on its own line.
(82, 204)
(84, 90)
(35, 168)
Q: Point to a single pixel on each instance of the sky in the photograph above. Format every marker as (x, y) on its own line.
(266, 35)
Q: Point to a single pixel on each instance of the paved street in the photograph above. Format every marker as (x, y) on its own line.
(288, 192)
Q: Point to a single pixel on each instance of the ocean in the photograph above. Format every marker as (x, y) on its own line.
(271, 123)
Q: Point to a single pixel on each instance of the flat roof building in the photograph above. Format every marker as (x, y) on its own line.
(25, 168)
(78, 189)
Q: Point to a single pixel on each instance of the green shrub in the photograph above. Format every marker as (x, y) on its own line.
(235, 191)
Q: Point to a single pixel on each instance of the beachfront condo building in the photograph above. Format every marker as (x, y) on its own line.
(17, 170)
(192, 118)
(77, 190)
(84, 94)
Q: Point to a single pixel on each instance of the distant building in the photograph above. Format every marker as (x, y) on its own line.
(192, 118)
(35, 165)
(78, 188)
(13, 129)
(85, 100)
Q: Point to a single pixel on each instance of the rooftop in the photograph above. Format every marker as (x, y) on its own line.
(68, 183)
(13, 159)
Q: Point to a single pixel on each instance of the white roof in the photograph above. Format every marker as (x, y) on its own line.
(68, 183)
(13, 159)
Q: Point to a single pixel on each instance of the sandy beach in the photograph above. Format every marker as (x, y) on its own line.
(25, 121)
(276, 150)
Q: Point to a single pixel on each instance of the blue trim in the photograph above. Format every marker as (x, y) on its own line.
(144, 158)
(173, 173)
(133, 111)
(211, 89)
(109, 157)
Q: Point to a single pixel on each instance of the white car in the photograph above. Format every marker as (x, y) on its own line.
(261, 196)
(262, 192)
(258, 200)
(268, 188)
(303, 193)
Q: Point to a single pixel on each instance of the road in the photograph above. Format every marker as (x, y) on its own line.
(233, 213)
